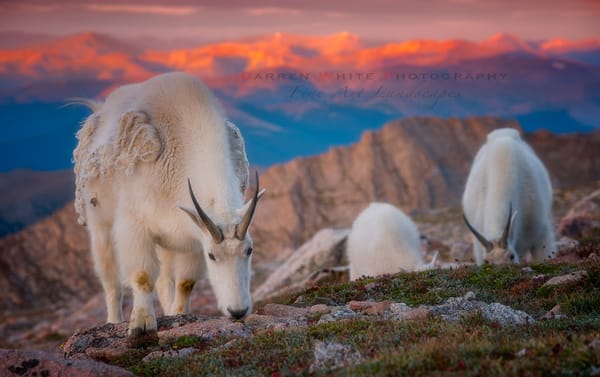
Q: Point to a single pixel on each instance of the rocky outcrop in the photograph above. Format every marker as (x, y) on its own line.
(325, 251)
(415, 163)
(38, 363)
(583, 219)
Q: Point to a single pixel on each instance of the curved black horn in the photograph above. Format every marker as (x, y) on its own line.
(506, 233)
(242, 227)
(487, 244)
(212, 228)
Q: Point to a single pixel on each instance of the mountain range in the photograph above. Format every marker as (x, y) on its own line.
(297, 95)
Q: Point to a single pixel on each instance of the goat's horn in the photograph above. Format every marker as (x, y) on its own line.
(487, 244)
(242, 227)
(212, 228)
(504, 238)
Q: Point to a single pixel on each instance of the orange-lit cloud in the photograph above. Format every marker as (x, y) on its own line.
(373, 20)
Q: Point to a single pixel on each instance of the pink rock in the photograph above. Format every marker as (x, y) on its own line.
(278, 310)
(378, 308)
(413, 315)
(554, 313)
(38, 363)
(319, 309)
(108, 353)
(205, 329)
(573, 277)
(360, 305)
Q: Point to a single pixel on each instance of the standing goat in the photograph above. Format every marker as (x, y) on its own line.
(138, 156)
(384, 240)
(507, 201)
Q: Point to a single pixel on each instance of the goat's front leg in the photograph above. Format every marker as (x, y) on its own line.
(139, 264)
(188, 268)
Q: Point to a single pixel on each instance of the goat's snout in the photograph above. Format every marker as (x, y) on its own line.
(237, 314)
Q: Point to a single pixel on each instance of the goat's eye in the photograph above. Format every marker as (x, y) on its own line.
(249, 251)
(212, 256)
(512, 257)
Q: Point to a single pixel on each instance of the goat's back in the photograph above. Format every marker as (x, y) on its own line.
(383, 240)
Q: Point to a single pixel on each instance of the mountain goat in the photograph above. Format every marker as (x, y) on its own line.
(507, 201)
(139, 154)
(383, 240)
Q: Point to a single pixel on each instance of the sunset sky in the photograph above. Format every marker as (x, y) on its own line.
(182, 21)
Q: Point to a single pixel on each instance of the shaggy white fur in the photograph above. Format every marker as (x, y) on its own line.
(136, 154)
(384, 240)
(507, 201)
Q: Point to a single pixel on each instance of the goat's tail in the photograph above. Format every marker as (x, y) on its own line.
(91, 104)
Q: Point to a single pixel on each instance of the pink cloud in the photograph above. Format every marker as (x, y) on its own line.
(169, 10)
(273, 10)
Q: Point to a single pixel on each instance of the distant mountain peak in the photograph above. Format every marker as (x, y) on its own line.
(98, 42)
(506, 42)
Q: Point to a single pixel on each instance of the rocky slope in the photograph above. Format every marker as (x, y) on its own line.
(46, 264)
(415, 163)
(499, 320)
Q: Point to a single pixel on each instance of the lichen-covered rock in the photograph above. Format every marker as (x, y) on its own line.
(169, 354)
(457, 308)
(333, 356)
(110, 341)
(337, 314)
(43, 364)
(505, 315)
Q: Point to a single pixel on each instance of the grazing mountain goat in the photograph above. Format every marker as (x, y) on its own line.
(138, 156)
(384, 240)
(507, 201)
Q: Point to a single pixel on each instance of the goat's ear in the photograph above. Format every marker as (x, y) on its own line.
(193, 216)
(244, 208)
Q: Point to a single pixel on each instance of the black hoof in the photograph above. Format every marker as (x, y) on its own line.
(141, 338)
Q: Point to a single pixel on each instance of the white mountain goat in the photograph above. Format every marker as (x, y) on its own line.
(507, 202)
(383, 240)
(138, 156)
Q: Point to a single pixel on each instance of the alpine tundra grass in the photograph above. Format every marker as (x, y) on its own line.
(472, 346)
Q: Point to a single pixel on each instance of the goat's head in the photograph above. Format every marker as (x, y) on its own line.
(228, 253)
(500, 250)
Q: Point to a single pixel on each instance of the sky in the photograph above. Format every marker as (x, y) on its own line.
(182, 21)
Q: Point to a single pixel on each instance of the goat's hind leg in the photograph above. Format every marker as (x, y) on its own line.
(546, 249)
(188, 268)
(165, 285)
(107, 270)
